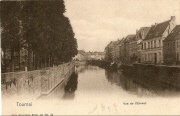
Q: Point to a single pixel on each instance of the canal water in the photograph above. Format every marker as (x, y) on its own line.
(92, 90)
(92, 81)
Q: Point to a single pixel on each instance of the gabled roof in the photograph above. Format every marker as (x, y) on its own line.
(109, 44)
(121, 41)
(174, 35)
(116, 42)
(130, 37)
(157, 30)
(145, 29)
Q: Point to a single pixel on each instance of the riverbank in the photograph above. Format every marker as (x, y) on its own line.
(169, 75)
(166, 74)
(100, 63)
(80, 63)
(33, 84)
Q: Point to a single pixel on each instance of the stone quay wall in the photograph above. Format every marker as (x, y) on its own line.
(33, 84)
(167, 74)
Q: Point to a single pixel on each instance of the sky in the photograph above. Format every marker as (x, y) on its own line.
(98, 22)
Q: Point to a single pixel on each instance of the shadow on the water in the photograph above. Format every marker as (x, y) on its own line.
(140, 86)
(71, 86)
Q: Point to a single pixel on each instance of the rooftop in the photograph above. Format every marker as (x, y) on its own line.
(139, 34)
(157, 30)
(174, 35)
(130, 37)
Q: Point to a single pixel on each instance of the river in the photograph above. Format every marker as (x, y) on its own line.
(92, 81)
(92, 90)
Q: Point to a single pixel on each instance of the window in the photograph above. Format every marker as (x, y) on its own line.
(159, 43)
(144, 45)
(148, 44)
(152, 57)
(151, 44)
(154, 44)
(160, 56)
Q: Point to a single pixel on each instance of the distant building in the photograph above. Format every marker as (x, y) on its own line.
(133, 49)
(95, 55)
(116, 51)
(140, 36)
(109, 51)
(84, 56)
(81, 56)
(152, 45)
(171, 48)
(122, 50)
(20, 59)
(112, 51)
(126, 51)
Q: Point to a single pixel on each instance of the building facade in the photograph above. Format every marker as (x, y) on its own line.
(152, 45)
(140, 36)
(127, 52)
(171, 48)
(95, 55)
(133, 49)
(81, 56)
(116, 51)
(109, 51)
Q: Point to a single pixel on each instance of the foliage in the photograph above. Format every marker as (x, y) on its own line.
(41, 28)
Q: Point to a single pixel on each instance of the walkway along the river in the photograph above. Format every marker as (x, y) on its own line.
(34, 84)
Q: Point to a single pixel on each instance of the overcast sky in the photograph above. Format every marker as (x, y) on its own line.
(97, 22)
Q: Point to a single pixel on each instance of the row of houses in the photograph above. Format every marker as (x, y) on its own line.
(84, 56)
(158, 44)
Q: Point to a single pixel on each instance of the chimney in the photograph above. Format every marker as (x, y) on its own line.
(173, 18)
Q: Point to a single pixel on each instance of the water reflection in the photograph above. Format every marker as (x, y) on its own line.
(126, 84)
(140, 86)
(83, 68)
(93, 82)
(71, 86)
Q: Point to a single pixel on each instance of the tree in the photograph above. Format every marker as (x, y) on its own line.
(42, 29)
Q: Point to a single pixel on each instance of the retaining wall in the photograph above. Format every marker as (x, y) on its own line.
(166, 74)
(33, 84)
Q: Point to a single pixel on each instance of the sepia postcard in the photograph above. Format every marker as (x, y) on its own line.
(90, 57)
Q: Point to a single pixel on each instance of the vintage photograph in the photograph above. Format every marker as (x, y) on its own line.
(90, 57)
